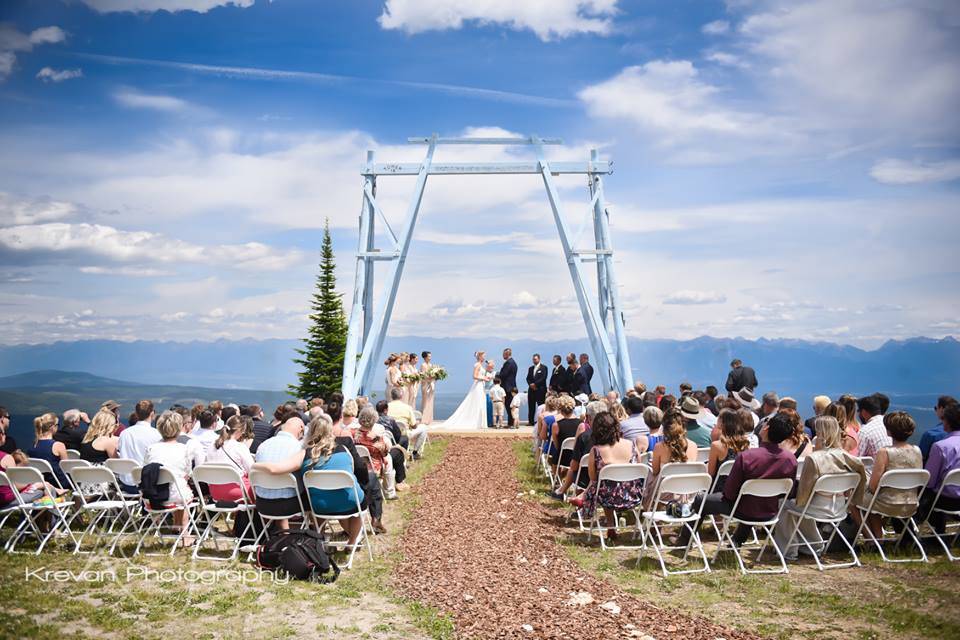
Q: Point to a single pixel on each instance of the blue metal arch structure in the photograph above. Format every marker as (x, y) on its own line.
(601, 310)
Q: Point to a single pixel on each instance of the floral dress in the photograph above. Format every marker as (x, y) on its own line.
(612, 495)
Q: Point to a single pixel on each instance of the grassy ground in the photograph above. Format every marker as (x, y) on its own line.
(878, 600)
(363, 603)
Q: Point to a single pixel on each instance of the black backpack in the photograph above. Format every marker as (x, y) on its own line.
(299, 552)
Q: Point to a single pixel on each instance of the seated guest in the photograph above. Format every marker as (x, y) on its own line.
(565, 427)
(851, 427)
(769, 407)
(732, 441)
(798, 443)
(379, 449)
(368, 481)
(233, 449)
(73, 427)
(674, 447)
(390, 425)
(320, 452)
(136, 439)
(696, 433)
(285, 444)
(707, 419)
(609, 448)
(350, 412)
(712, 394)
(99, 443)
(827, 458)
(666, 402)
(173, 457)
(46, 448)
(747, 401)
(937, 433)
(820, 404)
(28, 492)
(545, 422)
(653, 419)
(944, 458)
(407, 419)
(207, 435)
(899, 455)
(196, 451)
(261, 428)
(581, 447)
(649, 399)
(873, 434)
(766, 461)
(634, 427)
(10, 445)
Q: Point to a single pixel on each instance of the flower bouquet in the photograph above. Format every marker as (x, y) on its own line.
(436, 373)
(411, 378)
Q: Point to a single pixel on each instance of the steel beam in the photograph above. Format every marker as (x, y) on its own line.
(481, 168)
(435, 139)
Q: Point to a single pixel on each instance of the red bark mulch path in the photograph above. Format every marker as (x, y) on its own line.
(478, 551)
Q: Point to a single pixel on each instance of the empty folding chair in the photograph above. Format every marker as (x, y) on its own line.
(219, 474)
(329, 480)
(838, 488)
(682, 484)
(101, 500)
(154, 521)
(952, 479)
(268, 482)
(58, 512)
(617, 473)
(904, 479)
(761, 488)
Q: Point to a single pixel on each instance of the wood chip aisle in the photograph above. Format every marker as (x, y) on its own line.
(489, 558)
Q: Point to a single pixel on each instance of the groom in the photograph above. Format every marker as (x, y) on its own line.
(508, 380)
(537, 391)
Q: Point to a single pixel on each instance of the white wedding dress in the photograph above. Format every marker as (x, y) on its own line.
(472, 412)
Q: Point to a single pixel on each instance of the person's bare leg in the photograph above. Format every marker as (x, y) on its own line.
(352, 526)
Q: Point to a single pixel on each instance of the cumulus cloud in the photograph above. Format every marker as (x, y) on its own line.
(716, 27)
(49, 74)
(134, 99)
(894, 171)
(14, 210)
(546, 18)
(149, 6)
(13, 41)
(687, 296)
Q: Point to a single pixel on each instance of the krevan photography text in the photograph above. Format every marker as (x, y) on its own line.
(134, 573)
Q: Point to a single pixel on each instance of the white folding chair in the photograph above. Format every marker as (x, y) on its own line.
(867, 464)
(270, 481)
(10, 509)
(952, 479)
(760, 488)
(685, 484)
(800, 464)
(703, 454)
(73, 454)
(101, 500)
(617, 473)
(677, 468)
(904, 479)
(124, 467)
(68, 465)
(722, 472)
(575, 486)
(839, 487)
(566, 445)
(364, 454)
(32, 511)
(155, 520)
(213, 475)
(329, 480)
(46, 469)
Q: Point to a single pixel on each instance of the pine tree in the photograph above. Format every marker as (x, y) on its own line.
(322, 356)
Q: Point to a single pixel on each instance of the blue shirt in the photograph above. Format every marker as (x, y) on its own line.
(334, 501)
(929, 438)
(279, 447)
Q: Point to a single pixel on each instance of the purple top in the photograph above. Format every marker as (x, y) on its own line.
(765, 462)
(944, 457)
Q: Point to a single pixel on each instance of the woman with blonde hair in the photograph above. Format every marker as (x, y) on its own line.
(99, 443)
(174, 457)
(350, 412)
(46, 448)
(321, 452)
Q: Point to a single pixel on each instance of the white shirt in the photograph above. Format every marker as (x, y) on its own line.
(195, 450)
(233, 453)
(206, 437)
(134, 442)
(706, 419)
(173, 457)
(873, 437)
(497, 394)
(518, 399)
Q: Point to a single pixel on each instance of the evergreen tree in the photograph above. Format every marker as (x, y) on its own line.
(322, 355)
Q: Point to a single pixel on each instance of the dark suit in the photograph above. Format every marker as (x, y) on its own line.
(508, 380)
(536, 375)
(262, 430)
(558, 379)
(741, 377)
(586, 375)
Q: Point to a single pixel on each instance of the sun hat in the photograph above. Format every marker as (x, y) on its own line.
(690, 408)
(746, 399)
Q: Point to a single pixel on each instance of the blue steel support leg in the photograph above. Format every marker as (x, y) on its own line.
(360, 308)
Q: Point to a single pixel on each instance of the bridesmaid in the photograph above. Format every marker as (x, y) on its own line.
(393, 374)
(429, 386)
(404, 364)
(414, 387)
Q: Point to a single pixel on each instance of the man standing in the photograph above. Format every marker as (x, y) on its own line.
(558, 377)
(536, 387)
(740, 377)
(586, 374)
(508, 380)
(573, 385)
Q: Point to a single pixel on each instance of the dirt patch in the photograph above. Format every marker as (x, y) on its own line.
(478, 550)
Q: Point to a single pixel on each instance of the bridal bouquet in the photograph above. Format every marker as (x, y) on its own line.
(436, 373)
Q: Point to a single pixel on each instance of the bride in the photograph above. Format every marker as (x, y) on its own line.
(472, 412)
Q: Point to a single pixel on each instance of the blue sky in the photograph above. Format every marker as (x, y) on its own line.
(783, 169)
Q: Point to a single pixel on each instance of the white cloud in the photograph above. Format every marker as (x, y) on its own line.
(716, 27)
(136, 272)
(15, 210)
(12, 41)
(687, 296)
(140, 246)
(148, 6)
(727, 59)
(134, 99)
(546, 18)
(894, 171)
(49, 74)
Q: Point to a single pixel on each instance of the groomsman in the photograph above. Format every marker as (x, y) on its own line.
(586, 374)
(508, 380)
(558, 378)
(573, 367)
(537, 387)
